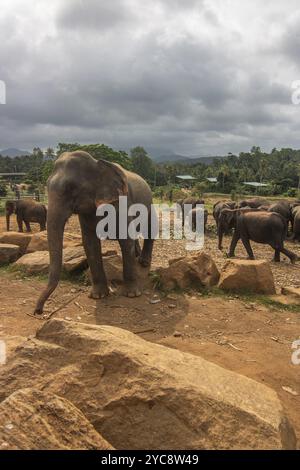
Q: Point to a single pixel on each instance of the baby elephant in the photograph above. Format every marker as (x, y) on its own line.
(26, 210)
(261, 227)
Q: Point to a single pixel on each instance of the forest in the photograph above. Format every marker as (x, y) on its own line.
(279, 169)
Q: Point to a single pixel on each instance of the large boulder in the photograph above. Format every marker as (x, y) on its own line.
(35, 420)
(17, 238)
(74, 259)
(197, 269)
(39, 241)
(8, 253)
(140, 395)
(247, 275)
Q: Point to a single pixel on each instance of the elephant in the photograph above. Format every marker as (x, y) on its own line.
(283, 208)
(224, 224)
(254, 203)
(218, 206)
(26, 210)
(192, 202)
(79, 184)
(295, 222)
(261, 227)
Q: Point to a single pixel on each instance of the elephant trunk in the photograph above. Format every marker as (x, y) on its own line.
(55, 228)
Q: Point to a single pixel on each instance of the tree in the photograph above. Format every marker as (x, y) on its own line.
(142, 164)
(98, 151)
(50, 154)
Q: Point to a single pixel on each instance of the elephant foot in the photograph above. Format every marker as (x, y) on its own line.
(99, 292)
(131, 290)
(145, 262)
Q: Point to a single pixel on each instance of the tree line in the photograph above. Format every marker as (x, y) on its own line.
(280, 169)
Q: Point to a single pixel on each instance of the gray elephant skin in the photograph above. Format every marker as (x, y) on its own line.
(26, 210)
(265, 227)
(78, 185)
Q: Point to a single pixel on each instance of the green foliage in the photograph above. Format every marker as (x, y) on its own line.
(3, 189)
(142, 164)
(98, 151)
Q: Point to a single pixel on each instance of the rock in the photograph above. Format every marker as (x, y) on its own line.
(8, 253)
(39, 241)
(74, 259)
(140, 395)
(113, 267)
(17, 238)
(34, 263)
(35, 420)
(247, 275)
(196, 269)
(293, 292)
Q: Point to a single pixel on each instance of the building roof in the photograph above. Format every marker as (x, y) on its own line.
(186, 177)
(255, 184)
(212, 180)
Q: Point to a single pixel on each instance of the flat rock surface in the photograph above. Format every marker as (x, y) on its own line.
(143, 395)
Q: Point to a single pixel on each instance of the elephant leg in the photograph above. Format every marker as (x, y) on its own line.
(138, 249)
(248, 248)
(92, 247)
(235, 239)
(27, 225)
(293, 257)
(276, 255)
(146, 255)
(20, 222)
(129, 267)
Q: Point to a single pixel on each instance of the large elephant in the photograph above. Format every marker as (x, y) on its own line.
(261, 227)
(26, 210)
(78, 185)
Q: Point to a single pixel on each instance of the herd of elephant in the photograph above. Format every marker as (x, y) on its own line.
(260, 221)
(79, 184)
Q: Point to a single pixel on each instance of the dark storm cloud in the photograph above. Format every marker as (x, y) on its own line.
(125, 73)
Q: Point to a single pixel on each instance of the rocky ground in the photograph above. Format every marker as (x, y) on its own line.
(249, 335)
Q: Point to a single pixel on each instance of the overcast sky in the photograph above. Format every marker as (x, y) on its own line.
(189, 76)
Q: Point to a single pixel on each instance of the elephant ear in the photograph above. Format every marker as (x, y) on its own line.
(111, 183)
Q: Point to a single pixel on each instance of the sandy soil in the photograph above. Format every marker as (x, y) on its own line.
(246, 336)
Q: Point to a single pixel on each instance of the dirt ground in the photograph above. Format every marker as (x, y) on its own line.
(242, 334)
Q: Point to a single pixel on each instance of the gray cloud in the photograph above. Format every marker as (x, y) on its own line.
(176, 75)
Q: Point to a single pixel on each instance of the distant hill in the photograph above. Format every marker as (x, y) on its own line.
(186, 160)
(11, 152)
